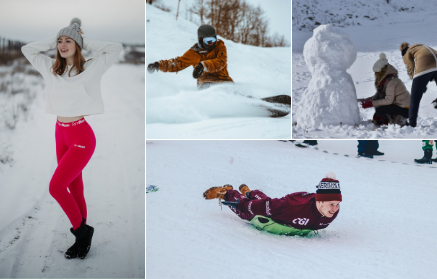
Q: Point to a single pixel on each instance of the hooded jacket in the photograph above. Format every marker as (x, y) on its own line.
(297, 210)
(214, 61)
(420, 60)
(395, 93)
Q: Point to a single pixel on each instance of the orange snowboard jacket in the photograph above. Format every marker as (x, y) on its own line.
(214, 62)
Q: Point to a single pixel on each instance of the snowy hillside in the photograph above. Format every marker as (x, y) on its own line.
(34, 231)
(176, 109)
(383, 229)
(385, 33)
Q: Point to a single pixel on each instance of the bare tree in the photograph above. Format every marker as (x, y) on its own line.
(198, 8)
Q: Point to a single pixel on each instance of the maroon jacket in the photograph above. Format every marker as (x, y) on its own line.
(297, 210)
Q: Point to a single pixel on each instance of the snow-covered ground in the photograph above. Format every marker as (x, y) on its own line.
(383, 230)
(34, 231)
(177, 110)
(388, 29)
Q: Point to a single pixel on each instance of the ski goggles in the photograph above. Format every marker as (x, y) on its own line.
(209, 40)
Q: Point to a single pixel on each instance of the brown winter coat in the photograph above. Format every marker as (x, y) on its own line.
(420, 60)
(395, 92)
(214, 62)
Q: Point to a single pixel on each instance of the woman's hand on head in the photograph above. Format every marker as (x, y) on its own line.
(80, 31)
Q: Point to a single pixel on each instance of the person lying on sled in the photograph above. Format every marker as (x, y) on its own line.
(301, 210)
(208, 58)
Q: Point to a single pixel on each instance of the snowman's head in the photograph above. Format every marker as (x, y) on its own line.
(330, 46)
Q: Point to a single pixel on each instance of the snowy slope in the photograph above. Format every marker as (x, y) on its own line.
(383, 229)
(176, 109)
(34, 231)
(371, 37)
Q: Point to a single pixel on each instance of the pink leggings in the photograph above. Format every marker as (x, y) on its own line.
(75, 144)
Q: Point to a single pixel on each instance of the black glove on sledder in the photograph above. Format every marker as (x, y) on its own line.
(153, 67)
(198, 71)
(233, 204)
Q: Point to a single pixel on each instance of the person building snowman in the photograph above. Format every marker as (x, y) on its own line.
(208, 57)
(392, 99)
(300, 210)
(421, 62)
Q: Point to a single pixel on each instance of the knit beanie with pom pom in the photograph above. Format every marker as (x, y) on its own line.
(329, 189)
(381, 63)
(72, 31)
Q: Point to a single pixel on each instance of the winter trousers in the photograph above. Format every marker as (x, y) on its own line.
(368, 146)
(75, 144)
(417, 90)
(384, 111)
(233, 195)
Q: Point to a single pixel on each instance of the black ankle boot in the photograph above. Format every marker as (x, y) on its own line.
(426, 158)
(82, 244)
(72, 252)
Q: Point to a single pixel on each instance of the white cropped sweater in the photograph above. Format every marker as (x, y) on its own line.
(73, 95)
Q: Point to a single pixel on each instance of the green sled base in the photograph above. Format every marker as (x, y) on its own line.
(263, 223)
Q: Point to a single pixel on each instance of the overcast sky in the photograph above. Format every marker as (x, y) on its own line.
(278, 12)
(120, 21)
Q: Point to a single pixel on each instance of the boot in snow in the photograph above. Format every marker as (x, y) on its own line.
(82, 245)
(72, 251)
(364, 154)
(244, 189)
(217, 192)
(426, 158)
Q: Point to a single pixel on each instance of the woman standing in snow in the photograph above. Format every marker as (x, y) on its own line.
(301, 210)
(392, 99)
(208, 58)
(73, 86)
(421, 62)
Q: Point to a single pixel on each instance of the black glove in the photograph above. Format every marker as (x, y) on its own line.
(198, 71)
(426, 88)
(233, 204)
(152, 67)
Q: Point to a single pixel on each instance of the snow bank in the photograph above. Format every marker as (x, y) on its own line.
(330, 98)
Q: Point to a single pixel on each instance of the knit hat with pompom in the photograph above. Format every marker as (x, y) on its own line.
(72, 31)
(329, 189)
(381, 63)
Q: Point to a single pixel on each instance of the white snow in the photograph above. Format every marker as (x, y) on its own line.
(177, 110)
(388, 29)
(330, 97)
(383, 230)
(34, 231)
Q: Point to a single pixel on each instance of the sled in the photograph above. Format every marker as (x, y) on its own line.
(263, 223)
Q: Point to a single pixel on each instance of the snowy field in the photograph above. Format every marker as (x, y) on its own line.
(388, 29)
(35, 232)
(177, 110)
(383, 229)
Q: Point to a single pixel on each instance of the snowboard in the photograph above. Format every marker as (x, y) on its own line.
(283, 100)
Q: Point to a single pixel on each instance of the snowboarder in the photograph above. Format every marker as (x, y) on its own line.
(421, 62)
(208, 58)
(427, 156)
(301, 210)
(368, 148)
(391, 100)
(73, 86)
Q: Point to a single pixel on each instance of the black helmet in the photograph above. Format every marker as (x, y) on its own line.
(205, 31)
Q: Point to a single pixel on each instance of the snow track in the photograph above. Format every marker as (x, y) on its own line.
(33, 240)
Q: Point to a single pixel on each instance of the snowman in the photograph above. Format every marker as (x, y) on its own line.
(330, 97)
